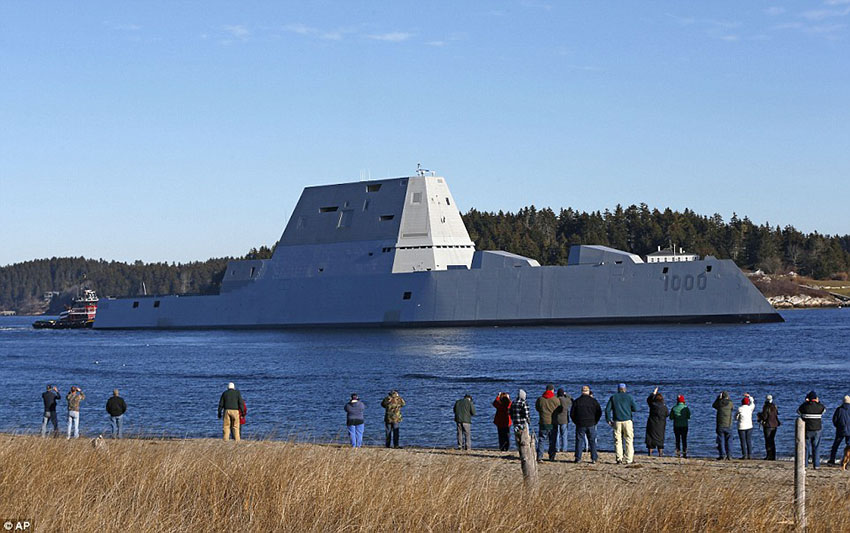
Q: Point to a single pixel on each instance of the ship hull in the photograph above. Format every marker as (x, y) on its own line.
(706, 291)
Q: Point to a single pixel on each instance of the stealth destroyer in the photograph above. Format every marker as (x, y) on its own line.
(395, 253)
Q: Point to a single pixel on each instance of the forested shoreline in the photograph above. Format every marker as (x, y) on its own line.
(541, 234)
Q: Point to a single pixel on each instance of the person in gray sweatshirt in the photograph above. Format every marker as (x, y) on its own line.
(354, 411)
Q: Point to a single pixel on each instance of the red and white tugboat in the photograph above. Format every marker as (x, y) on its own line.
(79, 315)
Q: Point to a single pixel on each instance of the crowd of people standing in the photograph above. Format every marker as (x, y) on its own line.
(555, 410)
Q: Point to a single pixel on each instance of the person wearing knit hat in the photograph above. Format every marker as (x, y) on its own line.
(232, 407)
(811, 411)
(841, 421)
(680, 414)
(744, 416)
(520, 416)
(768, 418)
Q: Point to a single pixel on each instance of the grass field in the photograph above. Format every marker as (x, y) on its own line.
(839, 287)
(202, 485)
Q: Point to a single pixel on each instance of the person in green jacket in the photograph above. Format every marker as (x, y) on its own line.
(464, 411)
(546, 406)
(618, 413)
(680, 414)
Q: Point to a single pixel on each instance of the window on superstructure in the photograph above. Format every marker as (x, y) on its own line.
(373, 188)
(417, 198)
(407, 295)
(385, 218)
(665, 270)
(708, 268)
(253, 269)
(135, 305)
(156, 303)
(447, 201)
(328, 209)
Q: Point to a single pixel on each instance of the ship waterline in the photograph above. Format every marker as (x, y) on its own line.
(395, 253)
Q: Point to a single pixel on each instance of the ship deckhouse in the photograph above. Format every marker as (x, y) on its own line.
(396, 225)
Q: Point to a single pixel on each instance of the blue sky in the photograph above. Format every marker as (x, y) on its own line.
(177, 131)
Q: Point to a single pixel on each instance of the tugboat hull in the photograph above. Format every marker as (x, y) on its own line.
(62, 324)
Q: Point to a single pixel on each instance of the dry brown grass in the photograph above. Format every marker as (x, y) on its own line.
(202, 485)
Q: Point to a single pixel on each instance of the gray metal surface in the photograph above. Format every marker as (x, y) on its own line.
(329, 270)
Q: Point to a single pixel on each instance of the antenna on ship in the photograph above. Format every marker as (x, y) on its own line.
(423, 171)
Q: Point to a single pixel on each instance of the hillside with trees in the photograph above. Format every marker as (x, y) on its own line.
(540, 234)
(546, 236)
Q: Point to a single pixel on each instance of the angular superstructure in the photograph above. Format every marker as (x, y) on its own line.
(396, 253)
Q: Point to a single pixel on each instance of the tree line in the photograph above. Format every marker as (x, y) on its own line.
(540, 234)
(547, 236)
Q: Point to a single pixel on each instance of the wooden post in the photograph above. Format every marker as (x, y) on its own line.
(527, 457)
(800, 476)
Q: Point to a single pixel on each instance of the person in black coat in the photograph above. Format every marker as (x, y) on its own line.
(841, 421)
(769, 420)
(585, 414)
(811, 411)
(656, 426)
(116, 407)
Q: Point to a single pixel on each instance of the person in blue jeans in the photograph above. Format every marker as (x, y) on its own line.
(546, 406)
(354, 420)
(116, 407)
(585, 413)
(50, 396)
(562, 419)
(744, 416)
(841, 421)
(724, 408)
(811, 411)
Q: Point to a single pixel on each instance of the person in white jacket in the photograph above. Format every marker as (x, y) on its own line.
(744, 416)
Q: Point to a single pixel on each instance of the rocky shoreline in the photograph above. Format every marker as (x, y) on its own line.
(803, 301)
(791, 292)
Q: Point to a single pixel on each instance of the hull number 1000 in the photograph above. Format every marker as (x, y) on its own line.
(675, 282)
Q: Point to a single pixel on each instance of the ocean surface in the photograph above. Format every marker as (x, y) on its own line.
(296, 382)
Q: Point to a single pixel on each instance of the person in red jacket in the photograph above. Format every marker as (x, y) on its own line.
(502, 403)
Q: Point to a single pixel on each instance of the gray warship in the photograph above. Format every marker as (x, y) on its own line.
(395, 253)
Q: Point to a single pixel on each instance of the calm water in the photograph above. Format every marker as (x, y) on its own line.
(296, 382)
